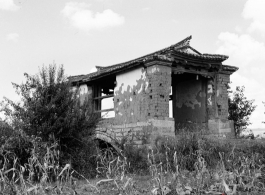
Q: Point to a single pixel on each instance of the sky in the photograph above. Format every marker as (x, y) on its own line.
(82, 34)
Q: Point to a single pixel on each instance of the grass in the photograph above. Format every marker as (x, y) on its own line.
(192, 164)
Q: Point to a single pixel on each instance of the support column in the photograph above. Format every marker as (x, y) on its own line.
(159, 78)
(220, 124)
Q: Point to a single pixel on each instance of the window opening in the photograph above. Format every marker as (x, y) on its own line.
(170, 103)
(103, 93)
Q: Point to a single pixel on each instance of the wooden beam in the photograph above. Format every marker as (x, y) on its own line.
(105, 110)
(103, 97)
(181, 70)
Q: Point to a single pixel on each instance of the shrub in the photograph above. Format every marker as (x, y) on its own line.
(49, 109)
(6, 132)
(239, 110)
(136, 158)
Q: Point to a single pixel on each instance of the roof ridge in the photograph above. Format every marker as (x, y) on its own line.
(184, 42)
(196, 51)
(162, 54)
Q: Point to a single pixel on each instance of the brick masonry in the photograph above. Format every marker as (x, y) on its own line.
(141, 105)
(159, 77)
(218, 122)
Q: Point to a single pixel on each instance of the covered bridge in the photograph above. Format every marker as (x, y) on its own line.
(156, 93)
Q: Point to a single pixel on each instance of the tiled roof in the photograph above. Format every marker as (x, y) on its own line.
(182, 48)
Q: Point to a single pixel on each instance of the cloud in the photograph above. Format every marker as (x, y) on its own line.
(248, 54)
(254, 9)
(244, 50)
(12, 37)
(8, 5)
(146, 9)
(81, 17)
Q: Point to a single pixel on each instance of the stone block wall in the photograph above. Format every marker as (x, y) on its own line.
(137, 133)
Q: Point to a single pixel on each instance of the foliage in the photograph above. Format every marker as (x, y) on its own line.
(238, 169)
(49, 109)
(240, 109)
(6, 132)
(136, 158)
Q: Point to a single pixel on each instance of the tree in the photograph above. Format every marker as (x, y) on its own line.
(239, 110)
(49, 109)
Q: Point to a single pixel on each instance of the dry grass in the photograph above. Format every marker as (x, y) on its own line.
(234, 173)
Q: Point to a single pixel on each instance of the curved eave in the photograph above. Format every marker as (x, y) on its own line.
(128, 66)
(205, 57)
(172, 53)
(229, 68)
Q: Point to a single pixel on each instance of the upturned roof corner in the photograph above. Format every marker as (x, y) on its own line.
(180, 52)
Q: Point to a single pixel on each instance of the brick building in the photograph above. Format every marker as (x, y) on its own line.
(143, 92)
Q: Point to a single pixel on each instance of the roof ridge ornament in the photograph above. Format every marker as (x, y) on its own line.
(99, 68)
(183, 43)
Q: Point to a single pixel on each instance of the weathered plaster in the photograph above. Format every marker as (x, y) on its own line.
(130, 101)
(211, 99)
(141, 104)
(187, 95)
(190, 98)
(125, 81)
(85, 92)
(210, 93)
(83, 89)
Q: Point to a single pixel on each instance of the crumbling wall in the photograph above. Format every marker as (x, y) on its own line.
(141, 104)
(222, 81)
(219, 124)
(85, 92)
(142, 94)
(137, 133)
(211, 99)
(189, 91)
(130, 96)
(159, 77)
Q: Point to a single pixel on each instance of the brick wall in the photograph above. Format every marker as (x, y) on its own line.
(130, 97)
(159, 79)
(222, 81)
(141, 104)
(220, 125)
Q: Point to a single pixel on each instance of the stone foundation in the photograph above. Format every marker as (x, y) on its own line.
(221, 128)
(138, 133)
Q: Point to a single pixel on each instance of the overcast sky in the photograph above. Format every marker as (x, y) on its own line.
(81, 34)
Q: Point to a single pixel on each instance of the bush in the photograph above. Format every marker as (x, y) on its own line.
(50, 110)
(239, 110)
(84, 160)
(190, 146)
(6, 132)
(137, 159)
